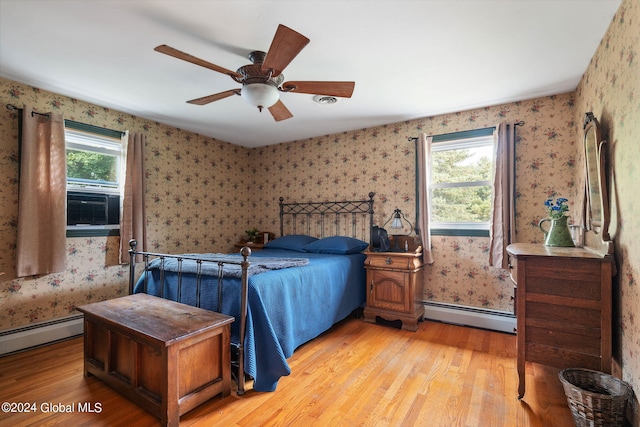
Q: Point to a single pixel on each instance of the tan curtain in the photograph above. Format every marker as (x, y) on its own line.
(133, 221)
(423, 151)
(42, 214)
(503, 207)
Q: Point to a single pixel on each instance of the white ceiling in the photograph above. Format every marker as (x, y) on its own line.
(409, 58)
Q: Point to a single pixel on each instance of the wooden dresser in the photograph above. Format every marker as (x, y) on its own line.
(563, 307)
(395, 287)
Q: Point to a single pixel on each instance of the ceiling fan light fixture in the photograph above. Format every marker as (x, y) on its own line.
(261, 95)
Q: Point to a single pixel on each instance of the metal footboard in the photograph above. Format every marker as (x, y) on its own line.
(244, 264)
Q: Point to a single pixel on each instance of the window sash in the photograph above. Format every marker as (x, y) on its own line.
(107, 145)
(461, 140)
(462, 184)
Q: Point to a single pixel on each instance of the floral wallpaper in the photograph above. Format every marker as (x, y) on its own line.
(198, 208)
(348, 166)
(610, 88)
(189, 209)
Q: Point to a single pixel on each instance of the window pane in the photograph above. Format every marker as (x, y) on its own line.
(462, 204)
(86, 165)
(462, 165)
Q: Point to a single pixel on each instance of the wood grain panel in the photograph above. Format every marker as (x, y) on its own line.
(97, 344)
(587, 289)
(122, 363)
(564, 340)
(560, 313)
(564, 269)
(390, 290)
(560, 358)
(206, 355)
(588, 332)
(150, 376)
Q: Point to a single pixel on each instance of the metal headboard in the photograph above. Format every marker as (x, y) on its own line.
(320, 219)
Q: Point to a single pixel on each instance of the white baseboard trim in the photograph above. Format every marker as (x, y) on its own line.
(13, 340)
(501, 321)
(22, 338)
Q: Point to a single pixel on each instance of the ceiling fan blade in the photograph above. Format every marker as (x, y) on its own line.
(286, 44)
(279, 111)
(168, 50)
(340, 89)
(215, 97)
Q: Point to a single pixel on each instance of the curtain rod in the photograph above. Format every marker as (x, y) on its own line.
(77, 125)
(518, 123)
(12, 107)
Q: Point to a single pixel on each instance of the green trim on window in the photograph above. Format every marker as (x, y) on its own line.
(459, 232)
(97, 232)
(109, 133)
(474, 133)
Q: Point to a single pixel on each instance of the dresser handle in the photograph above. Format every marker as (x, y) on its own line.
(388, 261)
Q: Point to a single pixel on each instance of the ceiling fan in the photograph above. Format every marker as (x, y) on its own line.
(262, 81)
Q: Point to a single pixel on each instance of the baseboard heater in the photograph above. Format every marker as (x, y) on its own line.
(37, 334)
(17, 339)
(502, 321)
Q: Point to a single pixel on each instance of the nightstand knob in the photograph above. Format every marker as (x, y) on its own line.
(388, 261)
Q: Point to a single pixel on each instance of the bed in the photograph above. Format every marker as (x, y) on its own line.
(282, 296)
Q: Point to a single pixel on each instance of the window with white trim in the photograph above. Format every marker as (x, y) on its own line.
(94, 174)
(460, 185)
(93, 161)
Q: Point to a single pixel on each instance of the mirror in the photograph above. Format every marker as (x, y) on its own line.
(597, 207)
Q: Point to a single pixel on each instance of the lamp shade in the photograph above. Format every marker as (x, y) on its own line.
(397, 222)
(397, 219)
(260, 95)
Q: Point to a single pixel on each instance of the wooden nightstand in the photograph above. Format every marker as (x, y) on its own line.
(263, 238)
(395, 287)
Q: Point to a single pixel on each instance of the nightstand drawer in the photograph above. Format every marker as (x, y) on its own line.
(392, 261)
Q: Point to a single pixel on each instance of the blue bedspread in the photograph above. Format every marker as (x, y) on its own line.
(286, 308)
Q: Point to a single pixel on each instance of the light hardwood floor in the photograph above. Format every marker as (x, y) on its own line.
(356, 374)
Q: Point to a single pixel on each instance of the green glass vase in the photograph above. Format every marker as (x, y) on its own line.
(558, 233)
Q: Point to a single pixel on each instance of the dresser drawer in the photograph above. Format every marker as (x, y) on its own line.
(556, 277)
(566, 316)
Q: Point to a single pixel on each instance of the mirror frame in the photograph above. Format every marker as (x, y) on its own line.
(597, 207)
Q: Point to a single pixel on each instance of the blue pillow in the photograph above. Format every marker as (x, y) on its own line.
(340, 245)
(293, 242)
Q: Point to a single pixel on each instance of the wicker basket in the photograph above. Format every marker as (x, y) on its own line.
(595, 398)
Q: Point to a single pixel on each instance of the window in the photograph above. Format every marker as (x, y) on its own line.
(93, 161)
(460, 186)
(94, 157)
